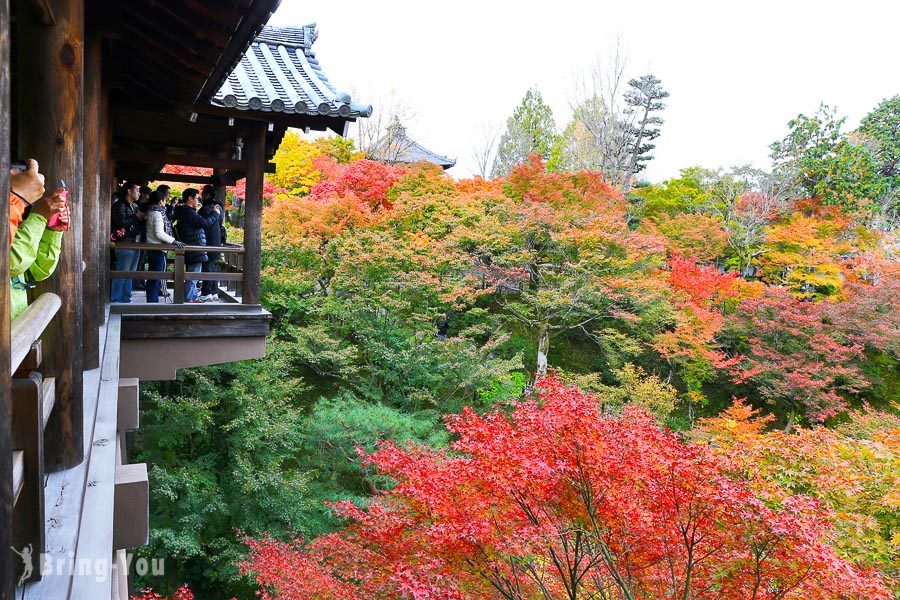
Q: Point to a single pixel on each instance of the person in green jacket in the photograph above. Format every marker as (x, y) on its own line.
(35, 248)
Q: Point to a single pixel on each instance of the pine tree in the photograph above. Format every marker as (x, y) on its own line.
(644, 99)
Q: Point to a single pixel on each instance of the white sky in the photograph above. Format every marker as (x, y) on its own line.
(736, 71)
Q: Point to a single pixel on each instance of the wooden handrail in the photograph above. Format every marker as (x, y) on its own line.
(29, 326)
(179, 274)
(171, 248)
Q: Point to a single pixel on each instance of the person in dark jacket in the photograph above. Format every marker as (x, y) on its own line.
(126, 221)
(215, 236)
(190, 227)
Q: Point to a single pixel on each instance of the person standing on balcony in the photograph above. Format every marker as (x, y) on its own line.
(141, 205)
(126, 219)
(34, 247)
(190, 227)
(215, 236)
(165, 193)
(159, 231)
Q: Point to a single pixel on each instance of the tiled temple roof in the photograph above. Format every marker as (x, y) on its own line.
(397, 147)
(280, 73)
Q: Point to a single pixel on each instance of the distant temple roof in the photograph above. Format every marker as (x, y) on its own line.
(396, 147)
(280, 73)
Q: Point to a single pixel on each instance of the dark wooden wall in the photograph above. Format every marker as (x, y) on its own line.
(6, 493)
(51, 84)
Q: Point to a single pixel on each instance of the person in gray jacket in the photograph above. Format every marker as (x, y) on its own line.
(159, 231)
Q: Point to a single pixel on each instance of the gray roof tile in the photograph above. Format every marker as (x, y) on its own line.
(396, 147)
(280, 73)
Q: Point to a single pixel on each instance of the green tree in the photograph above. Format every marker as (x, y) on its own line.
(826, 164)
(530, 130)
(222, 443)
(882, 128)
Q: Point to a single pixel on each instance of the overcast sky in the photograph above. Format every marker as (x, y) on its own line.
(737, 72)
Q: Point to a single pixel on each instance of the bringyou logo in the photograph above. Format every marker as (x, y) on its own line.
(100, 569)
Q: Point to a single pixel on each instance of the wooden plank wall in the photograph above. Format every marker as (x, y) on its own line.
(51, 130)
(7, 557)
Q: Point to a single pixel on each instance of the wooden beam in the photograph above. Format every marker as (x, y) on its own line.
(51, 130)
(92, 240)
(131, 514)
(208, 33)
(191, 160)
(7, 494)
(176, 54)
(178, 178)
(253, 205)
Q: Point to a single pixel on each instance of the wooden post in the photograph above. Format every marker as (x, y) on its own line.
(50, 79)
(28, 424)
(92, 241)
(253, 204)
(107, 186)
(178, 289)
(7, 558)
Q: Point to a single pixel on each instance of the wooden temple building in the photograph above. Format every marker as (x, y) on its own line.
(395, 147)
(99, 91)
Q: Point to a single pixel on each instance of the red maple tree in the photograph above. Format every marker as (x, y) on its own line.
(367, 180)
(795, 356)
(182, 593)
(558, 500)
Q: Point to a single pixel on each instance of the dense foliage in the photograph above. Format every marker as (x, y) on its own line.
(564, 501)
(413, 315)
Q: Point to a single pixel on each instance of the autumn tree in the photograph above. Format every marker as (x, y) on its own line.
(793, 357)
(562, 501)
(848, 468)
(296, 171)
(689, 346)
(803, 251)
(530, 130)
(579, 264)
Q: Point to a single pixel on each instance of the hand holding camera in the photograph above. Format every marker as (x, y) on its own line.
(26, 182)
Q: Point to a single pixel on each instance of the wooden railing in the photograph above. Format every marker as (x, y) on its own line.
(33, 398)
(233, 276)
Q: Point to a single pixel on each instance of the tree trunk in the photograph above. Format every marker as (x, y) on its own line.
(543, 348)
(632, 163)
(790, 421)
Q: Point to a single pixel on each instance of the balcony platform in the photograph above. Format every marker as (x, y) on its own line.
(158, 339)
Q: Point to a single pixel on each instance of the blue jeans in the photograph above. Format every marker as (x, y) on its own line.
(191, 292)
(157, 259)
(126, 260)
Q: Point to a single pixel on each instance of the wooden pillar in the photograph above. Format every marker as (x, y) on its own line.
(253, 203)
(7, 558)
(92, 240)
(50, 80)
(220, 187)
